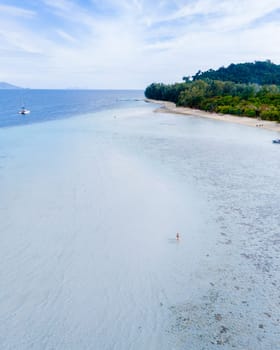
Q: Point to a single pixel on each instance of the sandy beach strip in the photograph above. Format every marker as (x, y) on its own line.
(170, 107)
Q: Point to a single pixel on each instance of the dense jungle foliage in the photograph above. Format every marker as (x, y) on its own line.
(251, 99)
(259, 72)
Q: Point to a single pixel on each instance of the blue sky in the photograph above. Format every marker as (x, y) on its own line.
(130, 43)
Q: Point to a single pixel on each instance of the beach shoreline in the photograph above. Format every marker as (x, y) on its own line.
(170, 107)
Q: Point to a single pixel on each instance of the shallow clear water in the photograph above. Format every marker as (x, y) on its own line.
(90, 206)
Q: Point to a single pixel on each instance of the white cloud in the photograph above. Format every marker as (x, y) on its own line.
(62, 5)
(131, 43)
(14, 11)
(66, 36)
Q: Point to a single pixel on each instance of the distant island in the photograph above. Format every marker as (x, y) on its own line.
(7, 86)
(244, 89)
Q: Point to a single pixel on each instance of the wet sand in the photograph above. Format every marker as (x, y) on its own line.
(170, 107)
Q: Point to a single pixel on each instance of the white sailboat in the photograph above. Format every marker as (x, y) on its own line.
(24, 111)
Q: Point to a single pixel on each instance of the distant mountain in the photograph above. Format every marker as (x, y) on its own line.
(7, 86)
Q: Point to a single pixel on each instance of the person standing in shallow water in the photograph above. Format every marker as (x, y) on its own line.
(177, 236)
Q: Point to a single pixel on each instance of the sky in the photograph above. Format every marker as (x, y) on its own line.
(128, 44)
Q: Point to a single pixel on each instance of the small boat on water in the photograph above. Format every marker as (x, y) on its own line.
(24, 111)
(276, 141)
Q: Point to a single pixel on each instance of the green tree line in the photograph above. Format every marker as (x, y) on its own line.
(251, 100)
